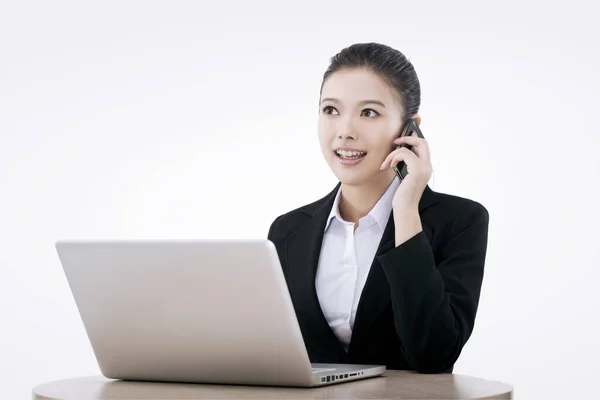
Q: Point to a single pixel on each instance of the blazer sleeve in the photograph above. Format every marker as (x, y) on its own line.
(434, 305)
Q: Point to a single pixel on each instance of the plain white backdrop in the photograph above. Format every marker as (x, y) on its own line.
(196, 120)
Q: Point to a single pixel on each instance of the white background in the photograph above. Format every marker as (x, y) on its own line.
(192, 120)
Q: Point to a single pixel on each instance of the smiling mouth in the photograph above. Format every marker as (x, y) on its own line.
(350, 155)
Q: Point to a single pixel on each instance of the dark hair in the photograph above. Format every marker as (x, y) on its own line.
(390, 64)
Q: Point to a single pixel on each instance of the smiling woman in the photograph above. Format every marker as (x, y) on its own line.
(356, 126)
(381, 271)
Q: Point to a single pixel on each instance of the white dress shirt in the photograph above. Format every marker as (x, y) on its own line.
(345, 261)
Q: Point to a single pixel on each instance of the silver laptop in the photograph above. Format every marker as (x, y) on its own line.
(199, 311)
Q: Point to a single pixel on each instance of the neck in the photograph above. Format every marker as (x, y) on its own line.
(356, 201)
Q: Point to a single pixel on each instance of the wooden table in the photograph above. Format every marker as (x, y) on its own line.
(392, 385)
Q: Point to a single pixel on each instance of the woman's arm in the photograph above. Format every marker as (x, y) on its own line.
(435, 305)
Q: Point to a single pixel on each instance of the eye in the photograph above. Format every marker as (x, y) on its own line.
(370, 110)
(329, 110)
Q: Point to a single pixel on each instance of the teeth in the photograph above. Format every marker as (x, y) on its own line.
(344, 153)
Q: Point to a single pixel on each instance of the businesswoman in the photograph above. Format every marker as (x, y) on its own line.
(381, 271)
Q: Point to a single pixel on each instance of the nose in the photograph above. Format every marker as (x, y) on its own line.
(346, 129)
(344, 136)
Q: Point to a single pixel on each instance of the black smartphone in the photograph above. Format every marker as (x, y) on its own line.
(409, 127)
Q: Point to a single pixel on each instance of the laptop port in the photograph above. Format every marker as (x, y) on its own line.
(353, 374)
(328, 379)
(345, 375)
(323, 379)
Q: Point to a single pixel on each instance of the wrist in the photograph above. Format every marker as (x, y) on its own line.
(406, 209)
(407, 223)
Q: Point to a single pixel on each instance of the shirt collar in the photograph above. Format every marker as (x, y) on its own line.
(335, 209)
(383, 208)
(380, 212)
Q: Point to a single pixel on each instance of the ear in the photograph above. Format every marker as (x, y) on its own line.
(417, 118)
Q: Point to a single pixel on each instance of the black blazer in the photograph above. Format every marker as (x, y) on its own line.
(418, 306)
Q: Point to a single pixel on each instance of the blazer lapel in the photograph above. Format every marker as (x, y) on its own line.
(303, 251)
(376, 293)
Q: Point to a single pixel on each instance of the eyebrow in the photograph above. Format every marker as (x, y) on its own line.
(363, 102)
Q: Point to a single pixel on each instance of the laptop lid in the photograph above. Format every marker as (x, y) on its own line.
(189, 311)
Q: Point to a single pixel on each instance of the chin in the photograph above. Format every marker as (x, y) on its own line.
(358, 178)
(351, 181)
(353, 178)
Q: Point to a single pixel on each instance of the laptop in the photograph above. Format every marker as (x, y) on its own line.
(193, 311)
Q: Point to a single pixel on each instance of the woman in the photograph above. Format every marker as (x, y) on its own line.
(381, 271)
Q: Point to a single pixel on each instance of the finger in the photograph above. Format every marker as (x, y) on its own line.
(419, 145)
(389, 158)
(402, 154)
(405, 155)
(414, 165)
(411, 140)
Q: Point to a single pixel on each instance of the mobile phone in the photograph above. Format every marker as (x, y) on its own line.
(409, 127)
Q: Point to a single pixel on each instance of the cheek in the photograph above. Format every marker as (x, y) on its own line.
(324, 139)
(381, 138)
(392, 132)
(325, 129)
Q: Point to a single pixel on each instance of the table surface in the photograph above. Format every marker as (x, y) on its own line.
(393, 384)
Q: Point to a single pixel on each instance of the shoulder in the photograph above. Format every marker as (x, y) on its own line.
(453, 214)
(285, 224)
(456, 205)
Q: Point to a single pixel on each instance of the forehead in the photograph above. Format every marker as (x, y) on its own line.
(352, 85)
